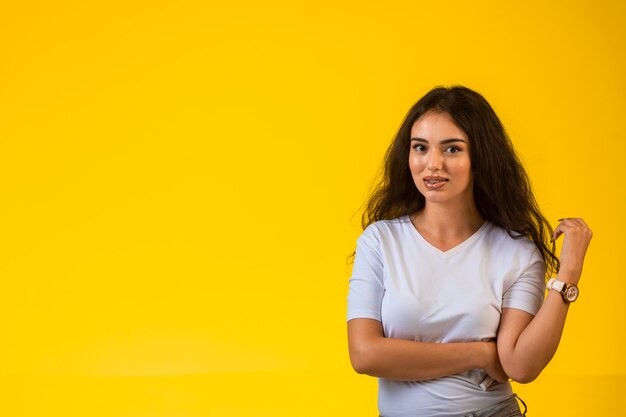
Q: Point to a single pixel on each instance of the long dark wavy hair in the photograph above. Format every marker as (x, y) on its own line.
(502, 190)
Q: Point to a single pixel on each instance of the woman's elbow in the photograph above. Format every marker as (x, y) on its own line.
(524, 379)
(359, 358)
(359, 363)
(520, 368)
(363, 337)
(522, 374)
(359, 366)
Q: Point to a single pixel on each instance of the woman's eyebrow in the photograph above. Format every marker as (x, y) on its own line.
(443, 142)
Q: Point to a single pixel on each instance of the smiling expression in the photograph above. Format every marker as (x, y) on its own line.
(439, 159)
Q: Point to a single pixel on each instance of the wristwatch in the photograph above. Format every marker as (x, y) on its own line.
(569, 292)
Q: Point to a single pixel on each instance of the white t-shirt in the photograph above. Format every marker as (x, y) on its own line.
(423, 294)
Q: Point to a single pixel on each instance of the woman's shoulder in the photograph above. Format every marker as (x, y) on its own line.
(382, 229)
(499, 238)
(388, 225)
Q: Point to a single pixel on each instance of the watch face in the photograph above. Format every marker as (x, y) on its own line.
(571, 294)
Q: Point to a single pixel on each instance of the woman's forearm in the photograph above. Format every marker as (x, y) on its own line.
(373, 354)
(524, 359)
(414, 361)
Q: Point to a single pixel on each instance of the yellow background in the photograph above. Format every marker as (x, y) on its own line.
(181, 183)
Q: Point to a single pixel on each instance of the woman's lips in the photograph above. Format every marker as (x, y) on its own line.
(434, 183)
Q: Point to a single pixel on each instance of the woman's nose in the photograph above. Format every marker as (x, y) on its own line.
(435, 161)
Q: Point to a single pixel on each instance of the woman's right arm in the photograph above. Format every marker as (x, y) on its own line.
(374, 354)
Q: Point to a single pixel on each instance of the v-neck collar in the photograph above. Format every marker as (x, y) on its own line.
(467, 242)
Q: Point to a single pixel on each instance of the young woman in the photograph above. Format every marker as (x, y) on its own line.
(446, 298)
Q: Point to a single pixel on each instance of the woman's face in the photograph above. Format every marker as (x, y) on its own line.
(439, 160)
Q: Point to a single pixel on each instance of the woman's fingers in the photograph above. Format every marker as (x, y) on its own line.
(576, 220)
(570, 224)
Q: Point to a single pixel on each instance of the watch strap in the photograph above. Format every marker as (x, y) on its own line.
(561, 287)
(555, 284)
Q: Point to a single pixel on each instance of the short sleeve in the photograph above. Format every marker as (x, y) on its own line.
(527, 291)
(366, 287)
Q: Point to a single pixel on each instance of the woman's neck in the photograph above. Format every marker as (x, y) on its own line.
(445, 221)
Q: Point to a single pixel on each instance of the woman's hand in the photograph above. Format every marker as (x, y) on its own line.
(577, 236)
(492, 363)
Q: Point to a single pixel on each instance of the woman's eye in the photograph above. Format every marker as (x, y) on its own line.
(453, 149)
(419, 148)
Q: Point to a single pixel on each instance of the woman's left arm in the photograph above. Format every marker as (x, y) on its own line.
(526, 343)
